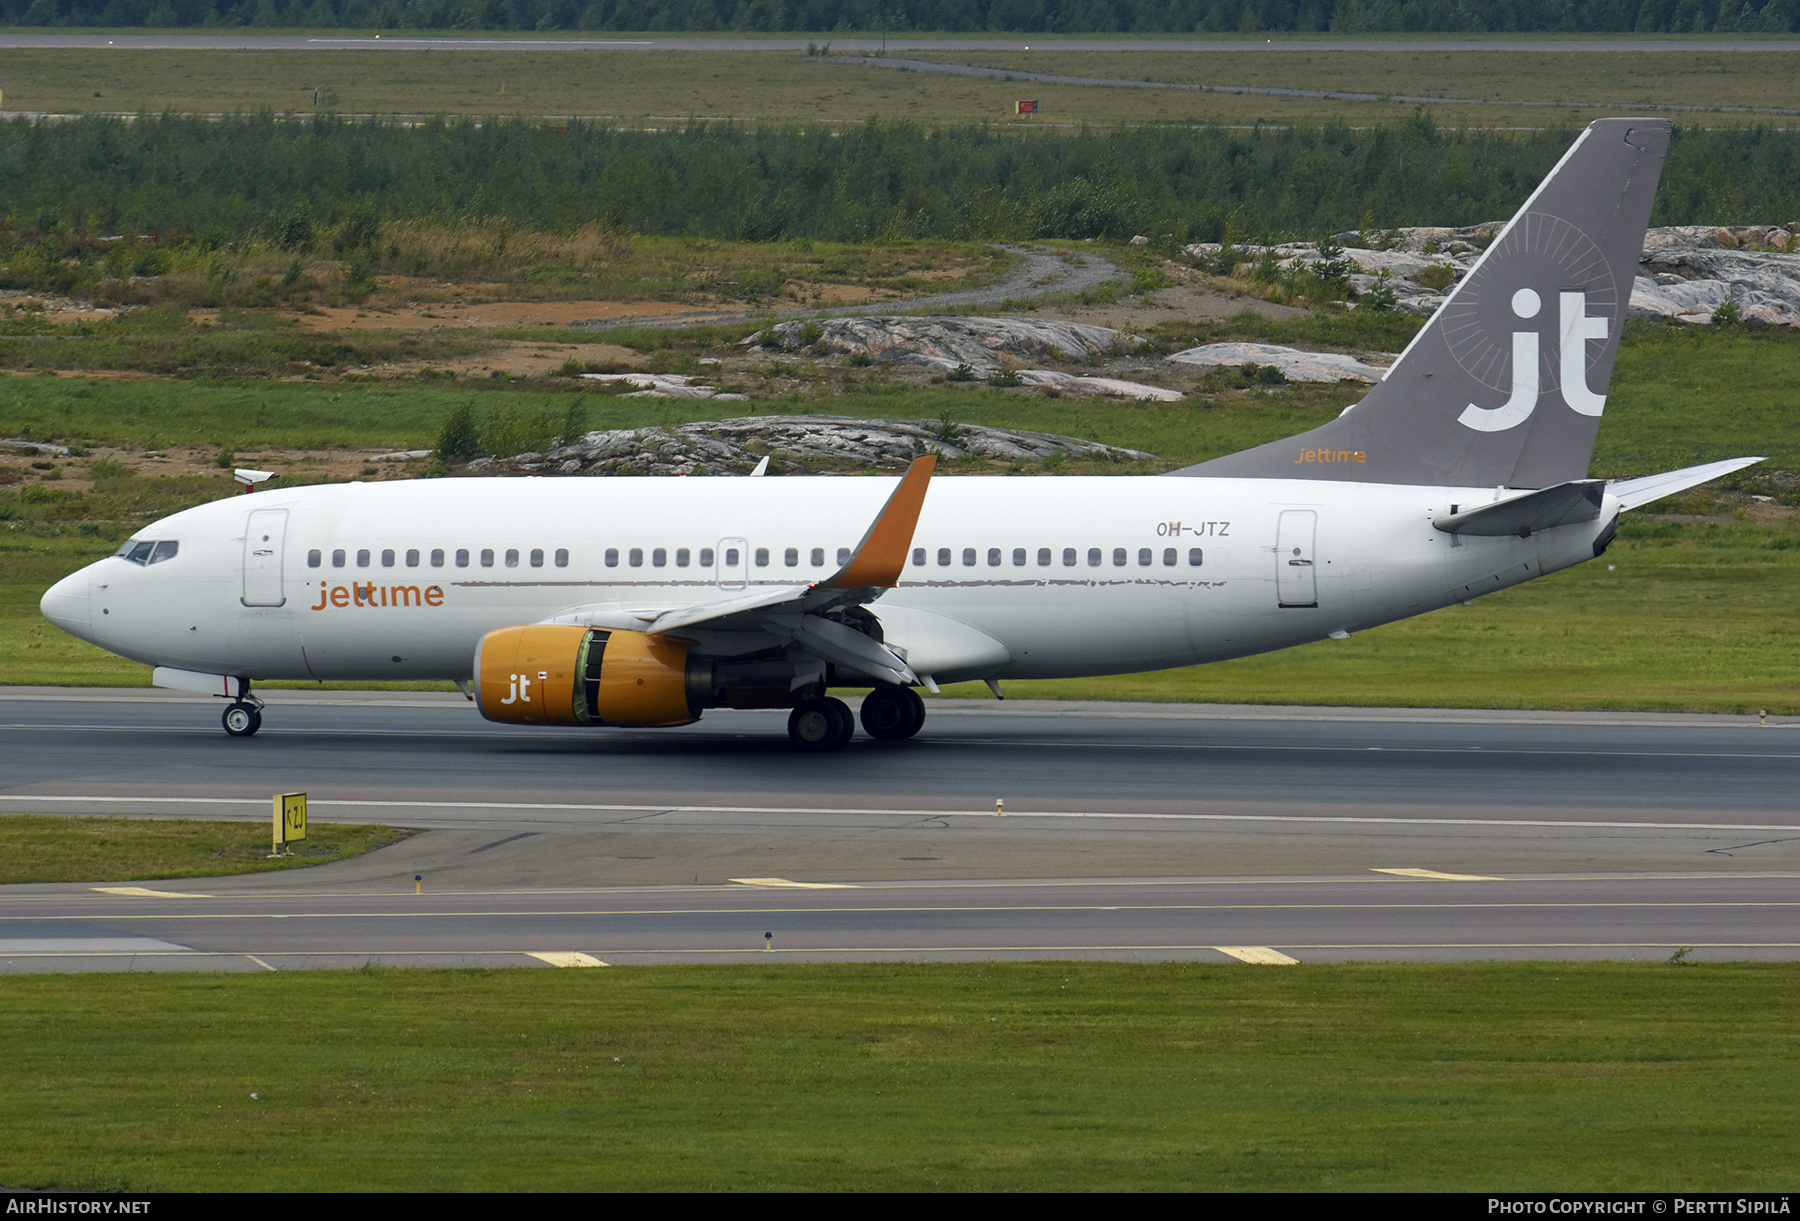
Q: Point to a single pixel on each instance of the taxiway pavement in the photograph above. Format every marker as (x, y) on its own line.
(1125, 831)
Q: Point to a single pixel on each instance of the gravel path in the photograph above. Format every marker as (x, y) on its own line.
(1038, 273)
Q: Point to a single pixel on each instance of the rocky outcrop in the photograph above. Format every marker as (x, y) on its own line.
(1687, 271)
(1295, 365)
(662, 386)
(1067, 383)
(943, 343)
(794, 444)
(1688, 283)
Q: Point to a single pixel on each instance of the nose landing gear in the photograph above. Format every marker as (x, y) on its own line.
(243, 716)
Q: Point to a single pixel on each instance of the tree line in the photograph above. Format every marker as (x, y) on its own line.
(901, 16)
(182, 179)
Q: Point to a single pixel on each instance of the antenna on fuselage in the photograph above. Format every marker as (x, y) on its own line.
(251, 478)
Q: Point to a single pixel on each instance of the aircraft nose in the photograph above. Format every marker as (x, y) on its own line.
(66, 604)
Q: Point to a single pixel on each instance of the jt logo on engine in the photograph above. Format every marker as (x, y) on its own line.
(1576, 329)
(520, 691)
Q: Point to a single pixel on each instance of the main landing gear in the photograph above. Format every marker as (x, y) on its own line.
(893, 713)
(821, 723)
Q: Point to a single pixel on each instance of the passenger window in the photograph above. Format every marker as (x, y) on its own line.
(1043, 557)
(943, 557)
(537, 557)
(1068, 557)
(315, 558)
(993, 557)
(843, 556)
(682, 556)
(165, 550)
(1118, 557)
(762, 557)
(437, 557)
(387, 557)
(462, 557)
(706, 557)
(512, 557)
(412, 558)
(612, 557)
(362, 558)
(919, 555)
(659, 558)
(1194, 557)
(818, 556)
(1018, 557)
(731, 557)
(791, 557)
(637, 557)
(968, 557)
(1168, 557)
(1143, 557)
(337, 558)
(562, 557)
(487, 557)
(1093, 557)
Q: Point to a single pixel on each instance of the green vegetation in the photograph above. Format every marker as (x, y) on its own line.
(226, 180)
(297, 264)
(1042, 1076)
(976, 16)
(52, 848)
(1679, 396)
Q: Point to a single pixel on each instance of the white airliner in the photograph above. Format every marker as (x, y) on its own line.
(639, 602)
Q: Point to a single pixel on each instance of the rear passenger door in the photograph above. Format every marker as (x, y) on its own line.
(1296, 577)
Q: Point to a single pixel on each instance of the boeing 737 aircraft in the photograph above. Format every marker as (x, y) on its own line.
(641, 602)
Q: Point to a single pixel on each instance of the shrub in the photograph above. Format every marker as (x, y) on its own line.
(460, 437)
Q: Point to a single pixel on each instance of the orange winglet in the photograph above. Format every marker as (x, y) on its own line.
(878, 559)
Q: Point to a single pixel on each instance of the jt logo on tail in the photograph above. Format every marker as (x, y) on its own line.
(1577, 328)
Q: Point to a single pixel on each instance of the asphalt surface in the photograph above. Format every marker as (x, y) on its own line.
(1339, 95)
(1127, 832)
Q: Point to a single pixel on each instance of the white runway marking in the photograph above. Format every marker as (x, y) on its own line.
(783, 882)
(1260, 955)
(564, 958)
(138, 892)
(1442, 877)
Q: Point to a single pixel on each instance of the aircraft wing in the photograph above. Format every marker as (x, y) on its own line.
(794, 612)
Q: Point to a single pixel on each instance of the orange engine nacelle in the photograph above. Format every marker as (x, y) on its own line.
(558, 674)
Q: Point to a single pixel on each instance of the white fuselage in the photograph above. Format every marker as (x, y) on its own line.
(363, 581)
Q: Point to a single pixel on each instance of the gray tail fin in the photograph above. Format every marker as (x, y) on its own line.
(1505, 385)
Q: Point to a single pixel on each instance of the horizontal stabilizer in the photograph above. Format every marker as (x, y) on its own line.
(1635, 492)
(1566, 504)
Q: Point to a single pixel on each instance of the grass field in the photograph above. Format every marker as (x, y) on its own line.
(1679, 396)
(657, 87)
(44, 848)
(1045, 1076)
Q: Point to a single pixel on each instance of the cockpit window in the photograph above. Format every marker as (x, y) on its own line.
(148, 552)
